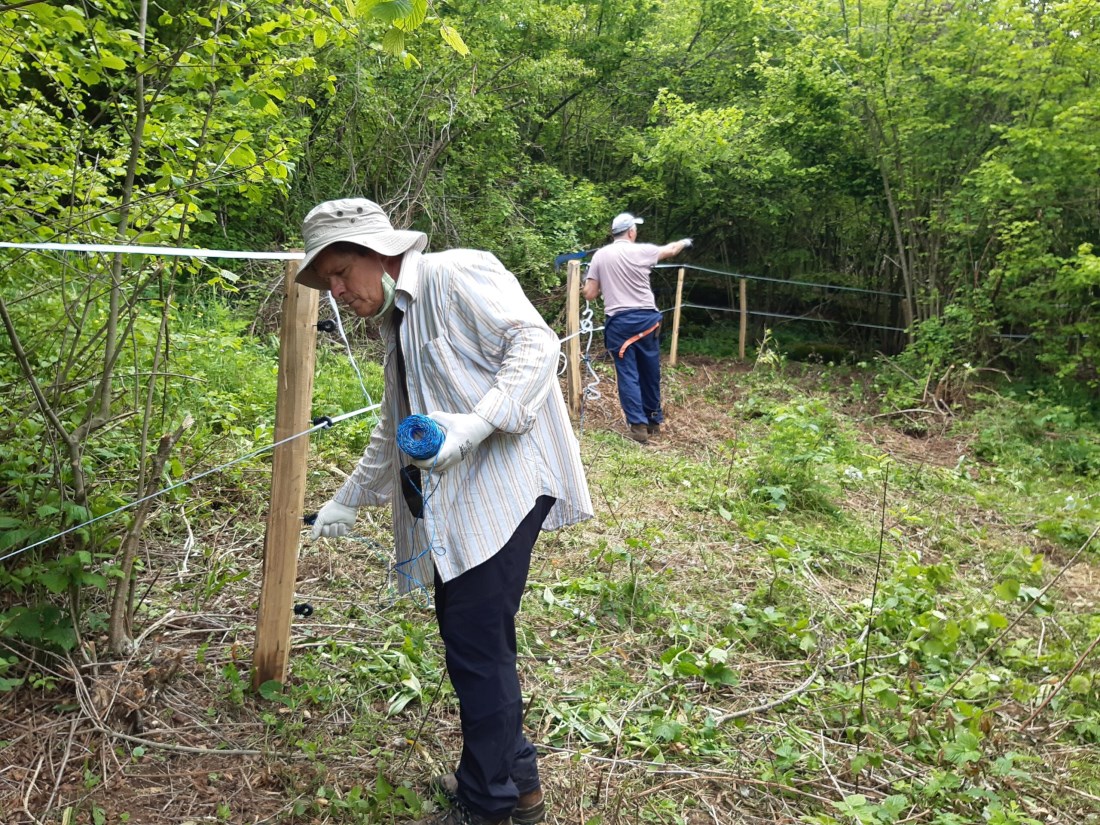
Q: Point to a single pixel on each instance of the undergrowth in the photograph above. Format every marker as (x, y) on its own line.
(817, 618)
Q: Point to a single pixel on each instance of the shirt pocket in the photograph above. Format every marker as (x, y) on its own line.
(450, 382)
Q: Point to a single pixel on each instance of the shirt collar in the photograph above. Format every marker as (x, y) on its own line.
(408, 282)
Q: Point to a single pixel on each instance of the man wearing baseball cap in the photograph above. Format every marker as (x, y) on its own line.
(632, 330)
(465, 345)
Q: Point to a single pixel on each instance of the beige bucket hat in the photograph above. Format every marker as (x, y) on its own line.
(357, 220)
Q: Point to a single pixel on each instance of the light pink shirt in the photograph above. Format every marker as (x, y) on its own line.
(622, 271)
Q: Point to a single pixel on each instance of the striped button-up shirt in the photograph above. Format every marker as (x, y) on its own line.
(472, 343)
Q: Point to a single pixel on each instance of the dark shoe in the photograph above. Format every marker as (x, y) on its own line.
(639, 432)
(459, 814)
(530, 810)
(654, 430)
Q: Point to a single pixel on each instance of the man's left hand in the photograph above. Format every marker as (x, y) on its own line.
(463, 434)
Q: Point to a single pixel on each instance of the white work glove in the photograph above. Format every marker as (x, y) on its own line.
(686, 242)
(464, 433)
(333, 520)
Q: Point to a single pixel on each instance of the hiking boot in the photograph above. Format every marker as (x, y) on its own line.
(639, 432)
(459, 814)
(654, 430)
(530, 810)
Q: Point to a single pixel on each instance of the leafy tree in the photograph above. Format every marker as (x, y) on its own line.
(118, 127)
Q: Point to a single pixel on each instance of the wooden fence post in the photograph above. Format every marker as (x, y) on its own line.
(676, 319)
(743, 331)
(572, 328)
(297, 346)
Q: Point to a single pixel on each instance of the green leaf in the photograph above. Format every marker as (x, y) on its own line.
(453, 39)
(718, 673)
(11, 538)
(23, 624)
(394, 42)
(272, 690)
(965, 748)
(415, 18)
(667, 731)
(391, 10)
(242, 156)
(320, 37)
(1080, 683)
(110, 61)
(1007, 590)
(62, 636)
(55, 580)
(398, 702)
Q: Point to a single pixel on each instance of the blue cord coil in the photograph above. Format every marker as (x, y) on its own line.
(419, 437)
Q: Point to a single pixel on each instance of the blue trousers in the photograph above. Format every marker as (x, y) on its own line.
(639, 367)
(476, 612)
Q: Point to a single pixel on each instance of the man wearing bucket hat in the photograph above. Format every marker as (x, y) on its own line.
(464, 343)
(632, 330)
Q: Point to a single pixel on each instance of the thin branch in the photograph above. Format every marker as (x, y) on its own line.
(802, 688)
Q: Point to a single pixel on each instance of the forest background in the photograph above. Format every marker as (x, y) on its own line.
(943, 153)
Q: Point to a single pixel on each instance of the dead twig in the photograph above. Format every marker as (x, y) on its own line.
(802, 688)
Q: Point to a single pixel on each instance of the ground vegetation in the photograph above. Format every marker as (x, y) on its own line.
(857, 592)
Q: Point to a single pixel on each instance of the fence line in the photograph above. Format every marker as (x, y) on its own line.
(170, 251)
(836, 287)
(793, 317)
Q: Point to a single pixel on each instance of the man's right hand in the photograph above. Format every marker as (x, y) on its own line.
(333, 520)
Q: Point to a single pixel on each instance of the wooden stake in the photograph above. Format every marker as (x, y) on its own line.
(572, 327)
(744, 331)
(297, 345)
(676, 318)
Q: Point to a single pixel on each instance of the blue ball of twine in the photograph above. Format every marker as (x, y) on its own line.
(419, 437)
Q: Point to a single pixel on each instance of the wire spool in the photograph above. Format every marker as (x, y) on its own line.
(419, 437)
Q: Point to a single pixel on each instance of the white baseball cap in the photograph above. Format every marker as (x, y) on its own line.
(623, 221)
(356, 220)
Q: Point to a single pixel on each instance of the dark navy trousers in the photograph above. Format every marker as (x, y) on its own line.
(639, 368)
(476, 613)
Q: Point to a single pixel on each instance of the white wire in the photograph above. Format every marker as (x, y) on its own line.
(324, 425)
(171, 251)
(590, 390)
(347, 346)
